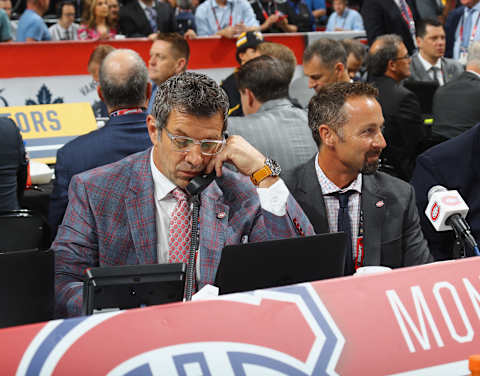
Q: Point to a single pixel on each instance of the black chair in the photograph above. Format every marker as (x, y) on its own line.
(26, 287)
(23, 229)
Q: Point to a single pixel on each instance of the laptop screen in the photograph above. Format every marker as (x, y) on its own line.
(252, 266)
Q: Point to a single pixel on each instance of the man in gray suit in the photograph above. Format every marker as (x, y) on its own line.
(340, 189)
(428, 64)
(455, 105)
(272, 124)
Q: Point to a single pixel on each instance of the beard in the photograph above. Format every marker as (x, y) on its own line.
(370, 168)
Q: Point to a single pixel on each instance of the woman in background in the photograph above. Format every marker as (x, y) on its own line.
(95, 22)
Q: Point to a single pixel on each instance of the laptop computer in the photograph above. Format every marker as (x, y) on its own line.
(26, 287)
(252, 266)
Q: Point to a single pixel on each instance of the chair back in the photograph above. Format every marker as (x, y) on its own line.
(23, 229)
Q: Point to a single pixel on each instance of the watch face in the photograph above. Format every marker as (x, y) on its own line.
(274, 166)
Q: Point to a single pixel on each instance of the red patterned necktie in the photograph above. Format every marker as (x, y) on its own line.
(180, 228)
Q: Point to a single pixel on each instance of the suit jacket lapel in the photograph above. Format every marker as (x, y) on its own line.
(308, 194)
(373, 207)
(214, 214)
(140, 207)
(420, 69)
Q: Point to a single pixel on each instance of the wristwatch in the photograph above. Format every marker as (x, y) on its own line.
(271, 168)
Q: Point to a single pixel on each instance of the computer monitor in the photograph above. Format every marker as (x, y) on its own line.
(275, 263)
(130, 286)
(26, 287)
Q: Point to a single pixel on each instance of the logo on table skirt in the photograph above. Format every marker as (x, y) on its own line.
(266, 347)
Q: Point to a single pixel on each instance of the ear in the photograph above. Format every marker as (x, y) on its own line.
(250, 97)
(327, 135)
(148, 94)
(419, 41)
(181, 65)
(392, 66)
(153, 132)
(241, 56)
(339, 68)
(100, 95)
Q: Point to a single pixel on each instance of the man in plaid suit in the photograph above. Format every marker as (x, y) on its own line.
(120, 213)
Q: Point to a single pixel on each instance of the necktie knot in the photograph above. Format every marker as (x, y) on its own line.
(343, 198)
(179, 194)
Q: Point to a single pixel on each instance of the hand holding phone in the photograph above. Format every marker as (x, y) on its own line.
(241, 154)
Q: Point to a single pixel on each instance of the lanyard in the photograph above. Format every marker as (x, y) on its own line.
(474, 30)
(126, 111)
(230, 19)
(264, 12)
(360, 251)
(409, 20)
(344, 17)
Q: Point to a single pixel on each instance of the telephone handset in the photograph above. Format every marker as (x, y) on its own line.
(199, 183)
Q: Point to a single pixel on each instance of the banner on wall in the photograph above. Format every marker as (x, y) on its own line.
(419, 321)
(45, 128)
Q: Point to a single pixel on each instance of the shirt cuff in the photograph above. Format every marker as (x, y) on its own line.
(274, 198)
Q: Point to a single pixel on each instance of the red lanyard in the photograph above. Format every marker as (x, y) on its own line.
(474, 31)
(230, 19)
(264, 12)
(410, 22)
(126, 111)
(360, 254)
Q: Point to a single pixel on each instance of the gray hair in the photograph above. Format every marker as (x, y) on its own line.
(123, 84)
(328, 106)
(377, 63)
(190, 93)
(473, 57)
(329, 51)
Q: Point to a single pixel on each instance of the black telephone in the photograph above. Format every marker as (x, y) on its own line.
(200, 182)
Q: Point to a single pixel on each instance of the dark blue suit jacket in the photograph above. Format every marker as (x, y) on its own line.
(453, 164)
(120, 137)
(12, 164)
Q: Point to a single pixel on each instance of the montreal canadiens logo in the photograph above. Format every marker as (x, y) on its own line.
(435, 212)
(451, 200)
(282, 331)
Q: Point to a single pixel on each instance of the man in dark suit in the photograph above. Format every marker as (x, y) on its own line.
(13, 165)
(453, 164)
(339, 189)
(125, 90)
(141, 18)
(429, 64)
(390, 17)
(455, 105)
(389, 64)
(132, 211)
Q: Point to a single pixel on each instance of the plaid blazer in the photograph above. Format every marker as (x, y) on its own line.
(110, 220)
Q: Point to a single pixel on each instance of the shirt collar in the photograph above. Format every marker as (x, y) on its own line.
(476, 7)
(427, 65)
(214, 4)
(144, 6)
(161, 184)
(329, 187)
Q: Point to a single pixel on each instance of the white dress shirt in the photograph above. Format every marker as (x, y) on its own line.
(332, 205)
(272, 199)
(428, 68)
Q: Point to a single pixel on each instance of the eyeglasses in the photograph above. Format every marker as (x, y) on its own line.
(407, 56)
(207, 147)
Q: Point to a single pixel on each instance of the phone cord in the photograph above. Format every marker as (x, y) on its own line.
(193, 248)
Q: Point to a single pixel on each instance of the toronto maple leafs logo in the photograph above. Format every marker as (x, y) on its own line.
(44, 96)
